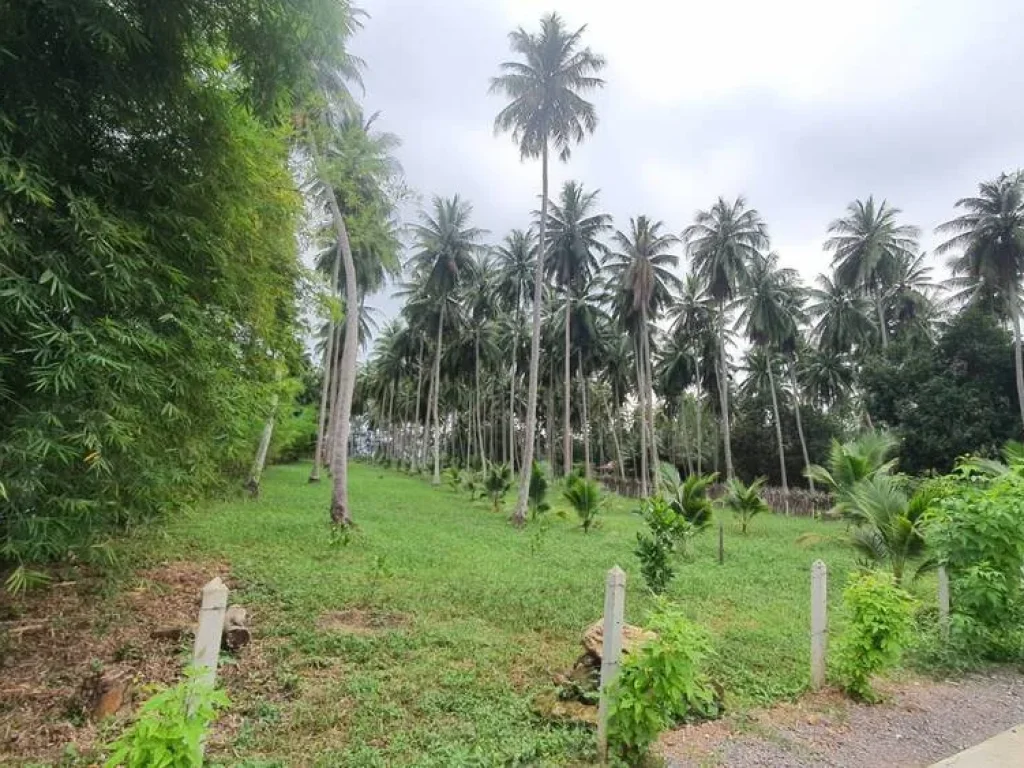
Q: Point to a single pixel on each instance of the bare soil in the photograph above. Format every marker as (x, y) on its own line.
(918, 723)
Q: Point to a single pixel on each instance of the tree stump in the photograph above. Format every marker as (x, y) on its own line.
(236, 633)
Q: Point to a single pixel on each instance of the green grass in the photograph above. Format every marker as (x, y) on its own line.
(493, 613)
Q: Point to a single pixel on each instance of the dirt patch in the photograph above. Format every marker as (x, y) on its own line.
(920, 722)
(355, 621)
(53, 641)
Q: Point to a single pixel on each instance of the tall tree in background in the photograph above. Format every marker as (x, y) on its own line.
(989, 237)
(546, 109)
(724, 241)
(842, 314)
(866, 246)
(445, 245)
(641, 275)
(571, 258)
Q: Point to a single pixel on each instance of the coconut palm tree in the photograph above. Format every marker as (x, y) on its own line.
(771, 312)
(445, 245)
(989, 238)
(572, 246)
(643, 281)
(693, 321)
(516, 264)
(546, 109)
(910, 299)
(866, 246)
(843, 320)
(723, 242)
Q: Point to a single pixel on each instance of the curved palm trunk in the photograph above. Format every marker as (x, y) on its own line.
(1017, 356)
(723, 392)
(340, 512)
(437, 387)
(519, 517)
(567, 391)
(800, 423)
(641, 390)
(778, 436)
(325, 385)
(256, 473)
(585, 415)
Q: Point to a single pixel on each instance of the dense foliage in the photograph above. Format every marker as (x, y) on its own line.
(148, 267)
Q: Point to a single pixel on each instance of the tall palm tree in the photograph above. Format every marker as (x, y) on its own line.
(445, 245)
(843, 316)
(641, 273)
(693, 321)
(546, 109)
(770, 315)
(910, 298)
(866, 246)
(516, 263)
(723, 242)
(572, 247)
(989, 236)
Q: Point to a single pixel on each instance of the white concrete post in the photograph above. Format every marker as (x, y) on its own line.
(819, 623)
(611, 650)
(943, 602)
(211, 625)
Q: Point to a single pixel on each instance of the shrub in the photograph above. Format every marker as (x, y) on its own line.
(669, 531)
(660, 685)
(538, 491)
(585, 497)
(745, 500)
(499, 480)
(689, 499)
(453, 476)
(170, 727)
(879, 616)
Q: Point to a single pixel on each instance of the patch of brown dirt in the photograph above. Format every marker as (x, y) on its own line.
(355, 621)
(63, 635)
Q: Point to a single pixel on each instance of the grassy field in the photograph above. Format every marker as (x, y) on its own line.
(472, 617)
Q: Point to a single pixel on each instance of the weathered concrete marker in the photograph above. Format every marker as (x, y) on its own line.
(611, 650)
(819, 623)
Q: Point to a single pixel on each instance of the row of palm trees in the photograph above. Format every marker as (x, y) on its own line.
(638, 340)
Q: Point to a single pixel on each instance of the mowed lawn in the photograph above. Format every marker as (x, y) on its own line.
(469, 618)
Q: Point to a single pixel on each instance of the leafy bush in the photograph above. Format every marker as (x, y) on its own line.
(745, 500)
(499, 480)
(662, 684)
(879, 622)
(538, 491)
(453, 476)
(170, 726)
(669, 532)
(585, 497)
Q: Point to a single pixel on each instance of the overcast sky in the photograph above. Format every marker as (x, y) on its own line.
(799, 105)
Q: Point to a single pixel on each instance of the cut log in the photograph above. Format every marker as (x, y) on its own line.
(236, 633)
(105, 692)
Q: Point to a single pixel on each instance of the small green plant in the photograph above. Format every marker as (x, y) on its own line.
(538, 491)
(23, 579)
(662, 684)
(471, 482)
(689, 498)
(499, 480)
(745, 500)
(170, 726)
(584, 496)
(879, 621)
(668, 532)
(453, 476)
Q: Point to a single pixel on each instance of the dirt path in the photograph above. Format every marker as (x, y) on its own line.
(920, 722)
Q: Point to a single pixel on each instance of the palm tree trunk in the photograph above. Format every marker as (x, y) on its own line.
(613, 417)
(479, 416)
(549, 423)
(685, 434)
(419, 386)
(391, 423)
(649, 377)
(340, 512)
(882, 331)
(437, 387)
(698, 413)
(1017, 356)
(799, 422)
(325, 384)
(723, 392)
(426, 421)
(256, 473)
(641, 389)
(586, 417)
(512, 386)
(567, 390)
(519, 517)
(778, 434)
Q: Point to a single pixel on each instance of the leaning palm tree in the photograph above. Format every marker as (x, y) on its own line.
(546, 109)
(643, 281)
(770, 316)
(516, 263)
(572, 247)
(445, 245)
(866, 246)
(989, 236)
(723, 242)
